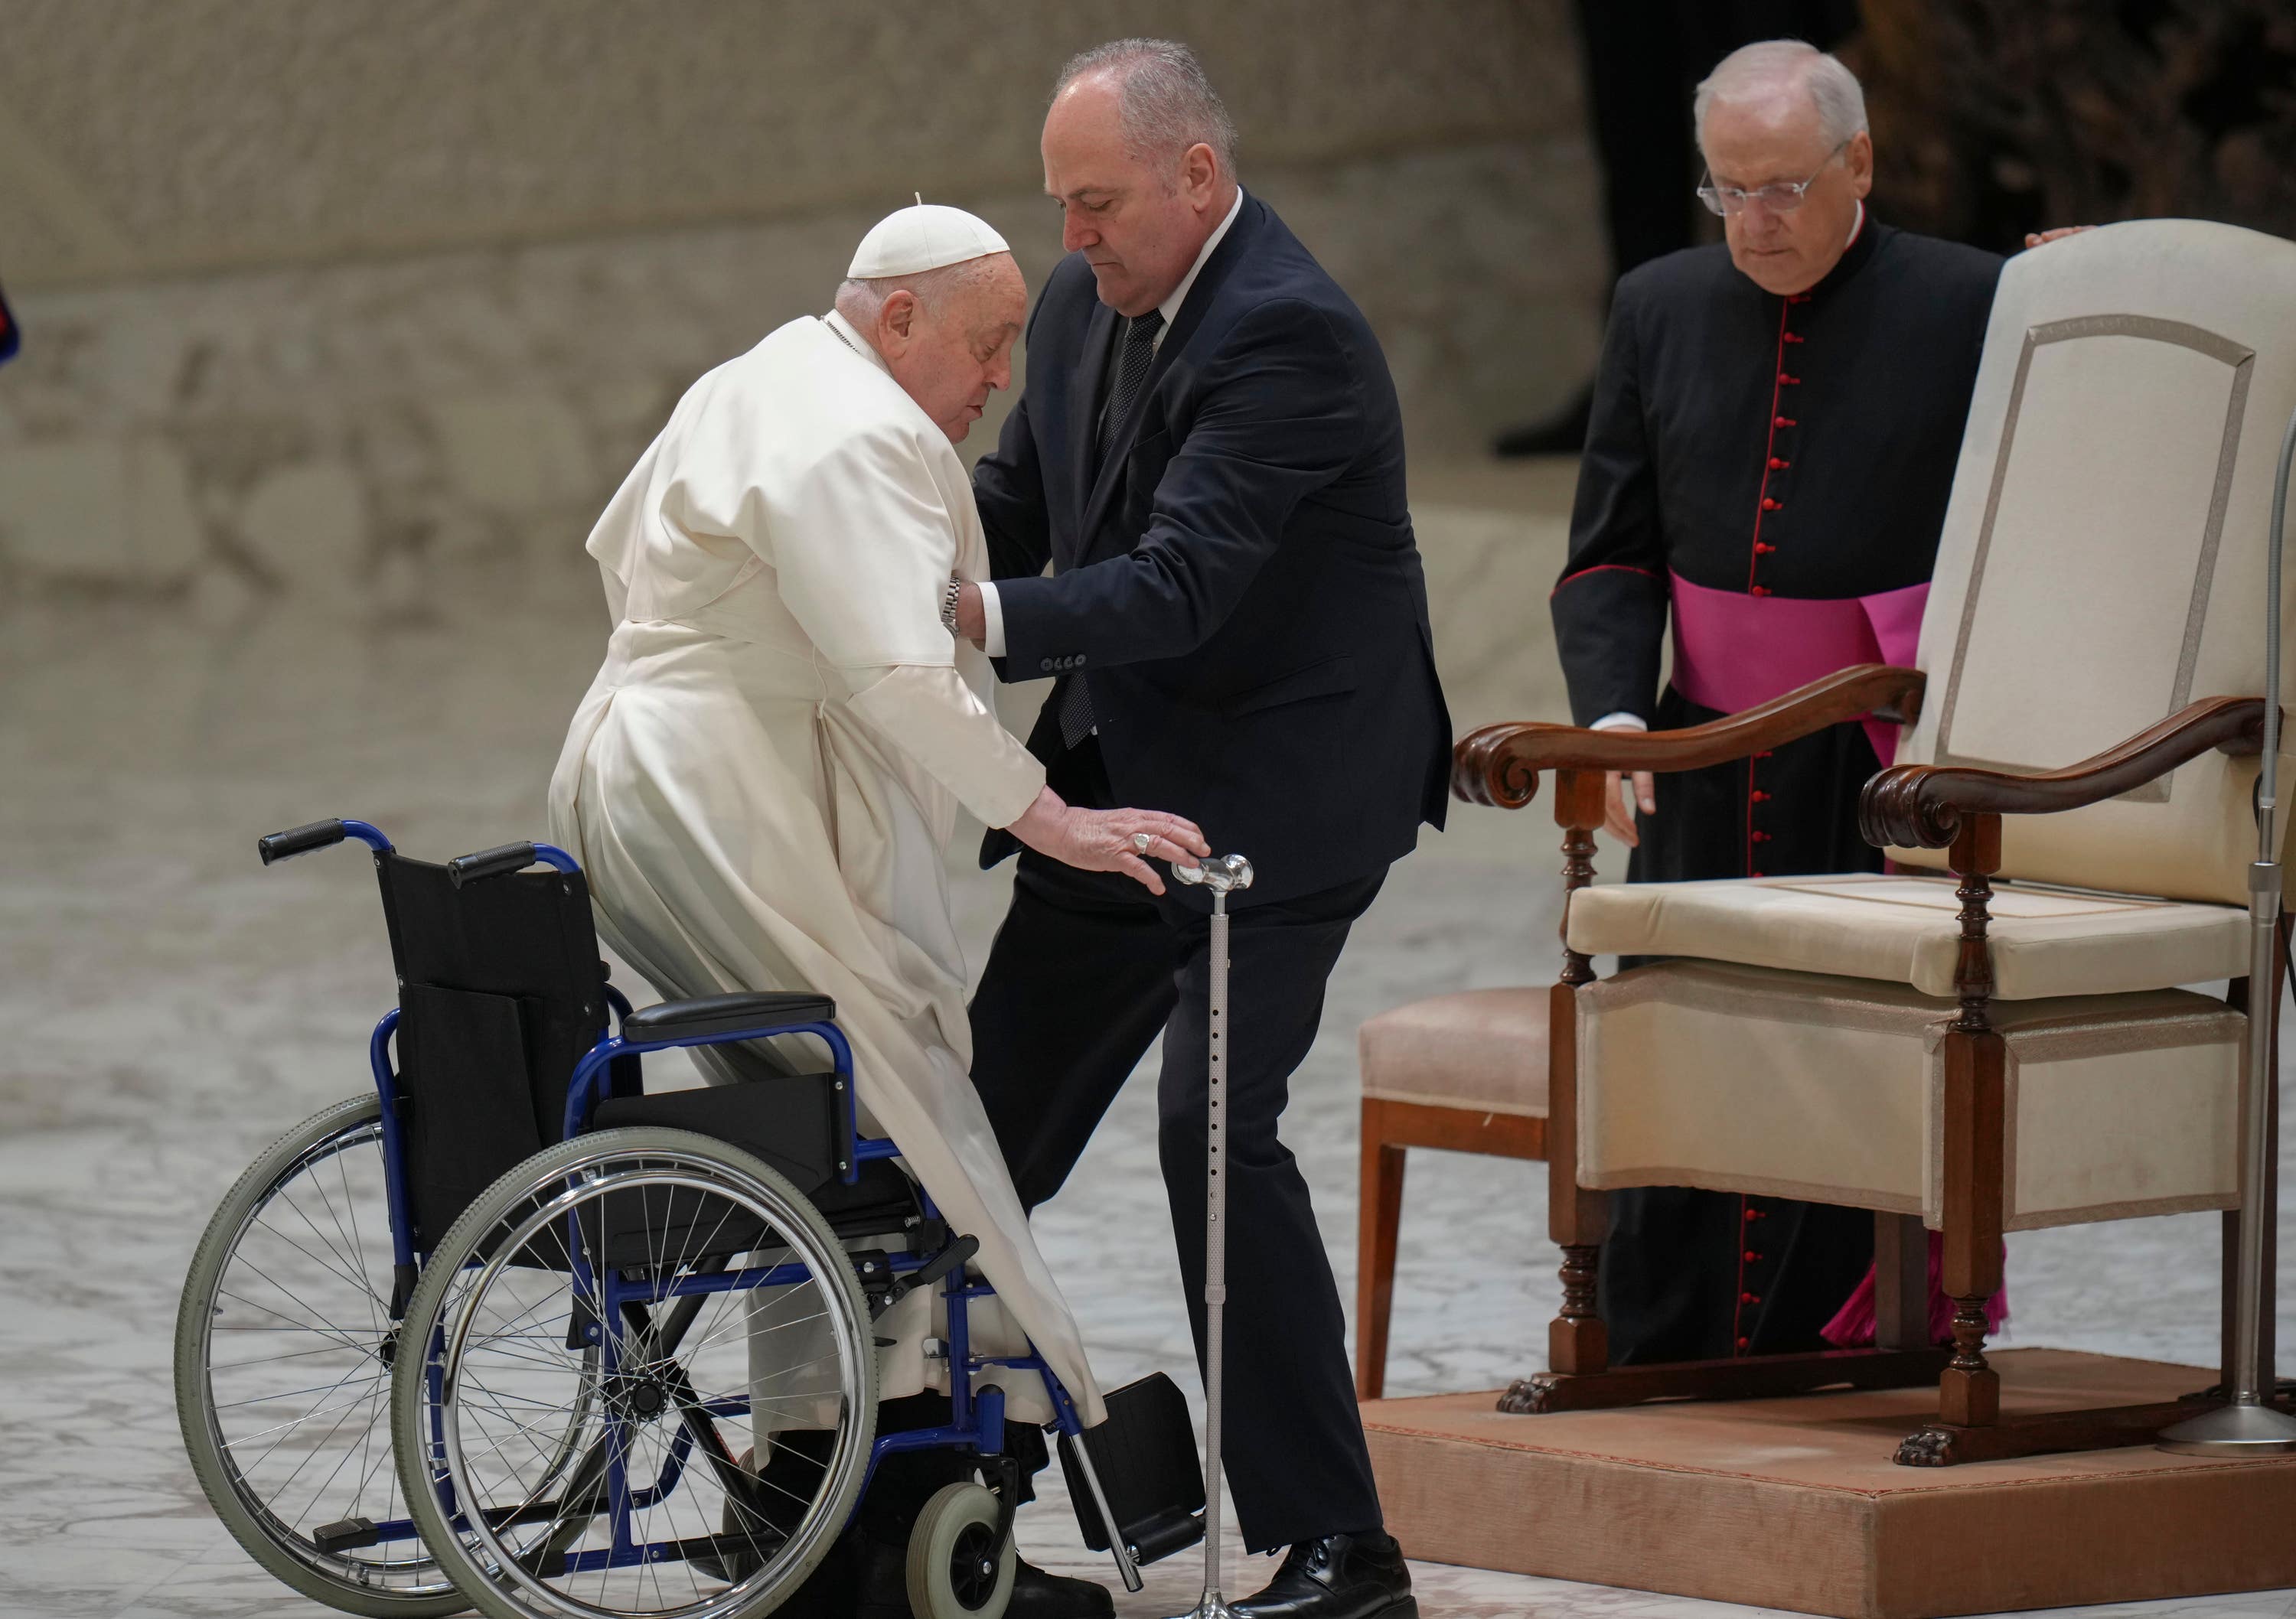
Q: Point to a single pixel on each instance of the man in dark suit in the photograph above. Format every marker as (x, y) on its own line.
(1208, 455)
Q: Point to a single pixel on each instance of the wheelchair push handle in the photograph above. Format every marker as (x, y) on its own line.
(499, 861)
(505, 859)
(299, 840)
(319, 835)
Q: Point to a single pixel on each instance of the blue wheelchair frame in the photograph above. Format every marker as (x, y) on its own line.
(976, 1420)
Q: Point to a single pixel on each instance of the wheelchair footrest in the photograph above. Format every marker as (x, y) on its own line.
(347, 1534)
(1145, 1455)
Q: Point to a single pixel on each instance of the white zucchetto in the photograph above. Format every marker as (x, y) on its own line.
(925, 237)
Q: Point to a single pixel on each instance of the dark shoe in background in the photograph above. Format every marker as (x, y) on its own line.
(1564, 433)
(1340, 1576)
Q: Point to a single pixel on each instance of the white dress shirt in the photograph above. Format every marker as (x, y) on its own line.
(992, 615)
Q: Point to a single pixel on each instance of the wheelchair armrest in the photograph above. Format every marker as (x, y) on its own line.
(731, 1014)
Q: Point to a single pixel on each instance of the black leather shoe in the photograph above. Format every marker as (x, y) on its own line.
(1340, 1576)
(1037, 1595)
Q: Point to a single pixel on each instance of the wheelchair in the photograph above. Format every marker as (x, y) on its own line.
(509, 1332)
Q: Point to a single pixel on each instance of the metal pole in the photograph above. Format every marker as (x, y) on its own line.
(1229, 872)
(2248, 1426)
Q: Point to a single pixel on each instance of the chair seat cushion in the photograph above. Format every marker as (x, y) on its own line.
(1484, 1049)
(1904, 929)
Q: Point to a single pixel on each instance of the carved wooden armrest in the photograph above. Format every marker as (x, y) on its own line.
(1923, 806)
(1499, 765)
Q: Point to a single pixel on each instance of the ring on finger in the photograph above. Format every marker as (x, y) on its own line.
(1141, 843)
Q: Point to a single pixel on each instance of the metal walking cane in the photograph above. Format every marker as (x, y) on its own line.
(2249, 1425)
(1220, 876)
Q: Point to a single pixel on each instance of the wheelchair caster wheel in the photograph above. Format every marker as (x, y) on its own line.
(956, 1568)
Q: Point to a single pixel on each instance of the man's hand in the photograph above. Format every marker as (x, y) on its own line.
(972, 623)
(2035, 239)
(1619, 806)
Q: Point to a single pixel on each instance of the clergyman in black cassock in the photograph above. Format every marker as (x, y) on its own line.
(1750, 445)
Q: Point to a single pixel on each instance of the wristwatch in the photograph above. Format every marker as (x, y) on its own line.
(948, 605)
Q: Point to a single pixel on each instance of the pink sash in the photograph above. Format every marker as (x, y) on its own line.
(1733, 651)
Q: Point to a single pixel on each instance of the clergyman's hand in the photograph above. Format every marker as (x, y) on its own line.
(2035, 239)
(1618, 805)
(1110, 840)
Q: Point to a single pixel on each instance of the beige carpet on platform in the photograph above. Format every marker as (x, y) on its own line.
(1796, 1503)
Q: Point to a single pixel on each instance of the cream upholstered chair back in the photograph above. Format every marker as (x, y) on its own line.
(2103, 563)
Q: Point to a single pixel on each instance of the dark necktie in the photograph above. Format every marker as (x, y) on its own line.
(1134, 352)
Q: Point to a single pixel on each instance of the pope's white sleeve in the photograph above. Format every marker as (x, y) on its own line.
(863, 542)
(933, 716)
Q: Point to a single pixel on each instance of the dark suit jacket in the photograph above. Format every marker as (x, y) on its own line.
(1239, 586)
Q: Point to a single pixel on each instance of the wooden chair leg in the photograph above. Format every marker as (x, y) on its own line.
(1380, 1218)
(1577, 1344)
(1968, 1394)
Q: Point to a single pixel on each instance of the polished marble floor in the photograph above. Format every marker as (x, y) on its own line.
(168, 1007)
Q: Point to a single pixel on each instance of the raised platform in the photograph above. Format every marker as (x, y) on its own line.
(1795, 1503)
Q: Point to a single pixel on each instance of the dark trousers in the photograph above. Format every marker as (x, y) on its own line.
(1087, 969)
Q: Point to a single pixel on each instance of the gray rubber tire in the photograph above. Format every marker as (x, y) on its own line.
(293, 1561)
(957, 1512)
(515, 1192)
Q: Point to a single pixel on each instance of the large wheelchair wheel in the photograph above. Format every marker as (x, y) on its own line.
(719, 1311)
(284, 1350)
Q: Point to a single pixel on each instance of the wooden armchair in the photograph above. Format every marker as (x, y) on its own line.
(1944, 1051)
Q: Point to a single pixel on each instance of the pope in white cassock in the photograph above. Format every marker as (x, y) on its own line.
(762, 779)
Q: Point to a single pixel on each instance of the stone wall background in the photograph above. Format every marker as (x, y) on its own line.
(320, 298)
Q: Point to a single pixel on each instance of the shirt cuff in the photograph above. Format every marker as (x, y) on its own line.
(992, 621)
(1620, 721)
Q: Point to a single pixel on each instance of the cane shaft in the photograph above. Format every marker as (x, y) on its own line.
(1216, 1245)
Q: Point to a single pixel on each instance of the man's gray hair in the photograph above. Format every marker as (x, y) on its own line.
(859, 301)
(1753, 71)
(1168, 105)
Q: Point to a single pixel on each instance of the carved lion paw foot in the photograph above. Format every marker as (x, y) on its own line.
(1529, 1396)
(1931, 1447)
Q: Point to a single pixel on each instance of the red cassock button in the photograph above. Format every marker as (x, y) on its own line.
(1789, 382)
(1764, 755)
(1743, 1343)
(1754, 874)
(1783, 422)
(1750, 1298)
(1779, 466)
(1761, 796)
(1752, 1258)
(1792, 337)
(1771, 506)
(1761, 837)
(1758, 590)
(1752, 1215)
(1763, 548)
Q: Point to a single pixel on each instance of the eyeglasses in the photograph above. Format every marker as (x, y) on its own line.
(1783, 198)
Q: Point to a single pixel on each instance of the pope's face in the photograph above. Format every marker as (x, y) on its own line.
(949, 354)
(1778, 140)
(1139, 222)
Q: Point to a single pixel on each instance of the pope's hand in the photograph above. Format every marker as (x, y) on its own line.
(1110, 840)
